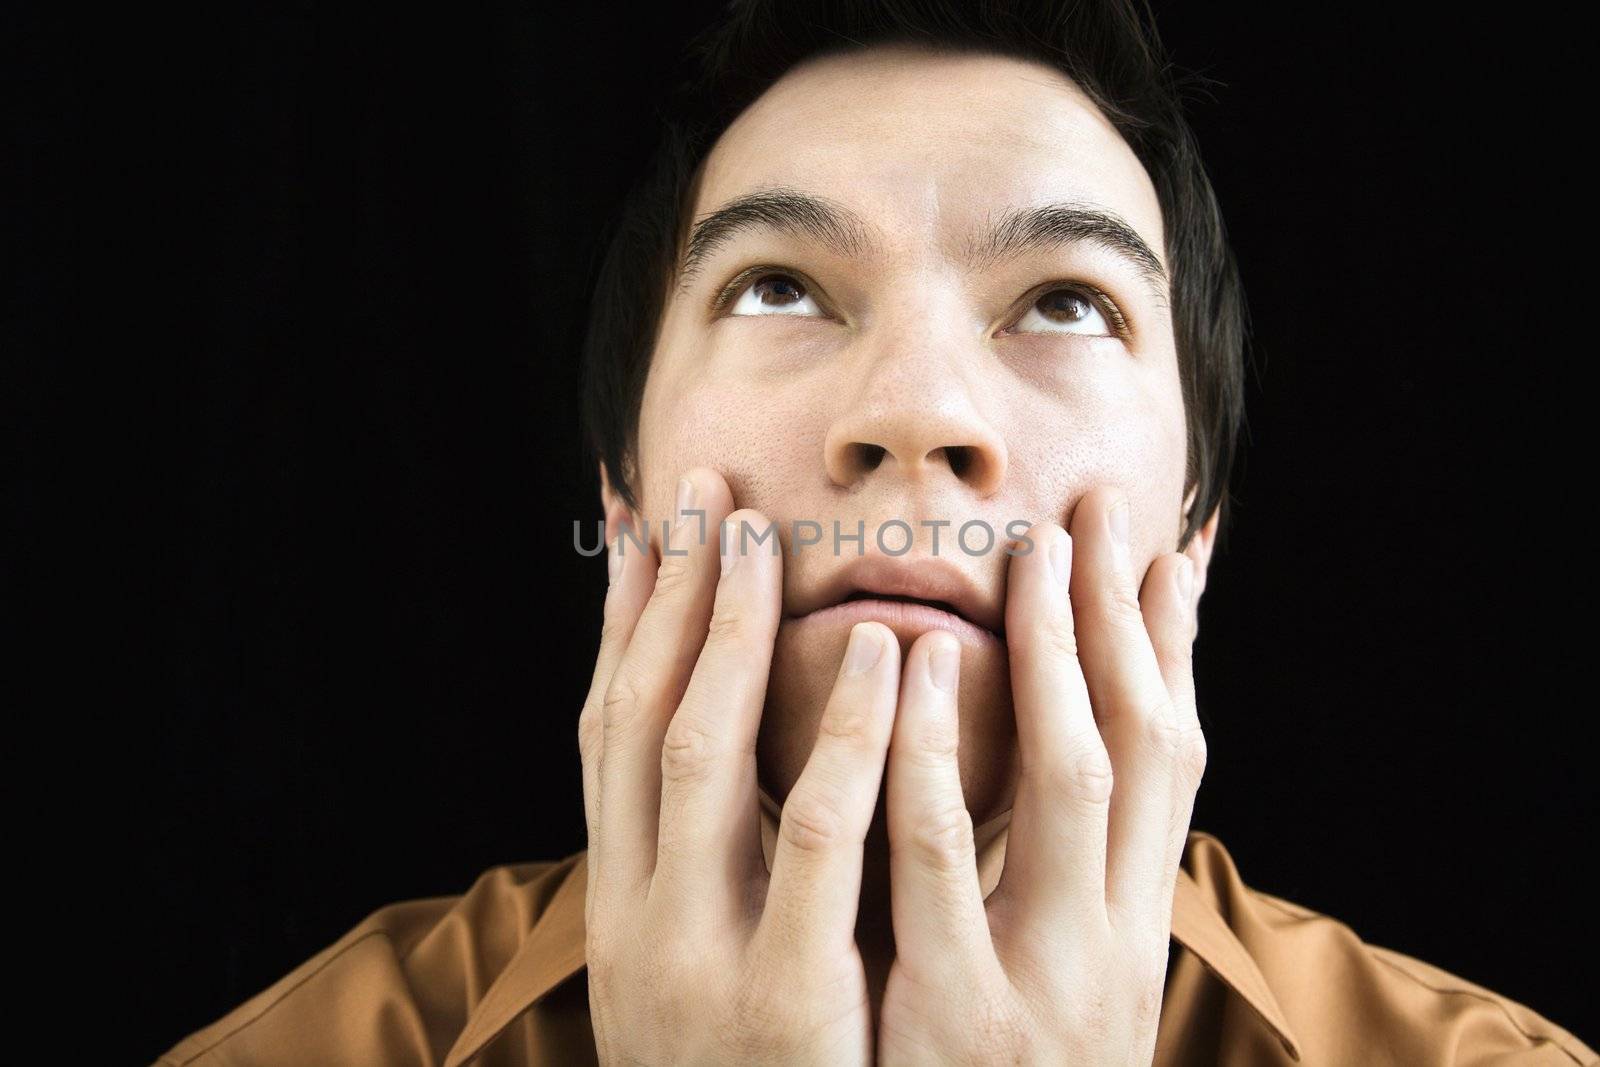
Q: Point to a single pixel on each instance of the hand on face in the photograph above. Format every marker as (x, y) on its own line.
(1065, 962)
(696, 953)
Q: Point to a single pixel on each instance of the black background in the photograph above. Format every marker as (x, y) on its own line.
(383, 636)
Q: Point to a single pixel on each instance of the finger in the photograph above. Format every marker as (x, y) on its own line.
(1166, 599)
(709, 837)
(941, 928)
(1151, 750)
(1167, 602)
(812, 899)
(631, 573)
(651, 677)
(1055, 870)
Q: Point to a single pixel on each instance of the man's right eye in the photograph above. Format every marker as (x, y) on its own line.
(774, 294)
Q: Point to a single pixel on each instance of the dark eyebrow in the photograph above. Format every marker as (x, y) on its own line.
(1051, 225)
(783, 210)
(847, 234)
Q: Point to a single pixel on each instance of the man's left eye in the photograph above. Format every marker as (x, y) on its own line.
(774, 294)
(1064, 311)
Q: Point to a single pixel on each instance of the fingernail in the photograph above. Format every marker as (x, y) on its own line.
(614, 559)
(685, 499)
(1118, 522)
(1061, 558)
(864, 651)
(944, 663)
(1186, 580)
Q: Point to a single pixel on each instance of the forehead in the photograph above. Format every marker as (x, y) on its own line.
(931, 146)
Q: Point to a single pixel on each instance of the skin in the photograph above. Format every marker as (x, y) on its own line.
(1073, 742)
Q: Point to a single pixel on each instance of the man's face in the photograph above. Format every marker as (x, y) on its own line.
(923, 373)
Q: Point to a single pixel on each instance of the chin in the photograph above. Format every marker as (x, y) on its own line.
(805, 662)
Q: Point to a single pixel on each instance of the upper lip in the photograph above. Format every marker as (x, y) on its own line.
(927, 578)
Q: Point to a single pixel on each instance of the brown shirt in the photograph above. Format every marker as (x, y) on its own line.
(495, 977)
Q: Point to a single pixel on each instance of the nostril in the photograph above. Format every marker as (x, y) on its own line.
(869, 457)
(960, 458)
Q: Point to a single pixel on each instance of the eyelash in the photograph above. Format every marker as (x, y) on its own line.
(1098, 297)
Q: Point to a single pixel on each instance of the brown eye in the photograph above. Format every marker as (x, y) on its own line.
(1065, 311)
(774, 294)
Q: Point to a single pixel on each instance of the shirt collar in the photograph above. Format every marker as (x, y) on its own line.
(553, 949)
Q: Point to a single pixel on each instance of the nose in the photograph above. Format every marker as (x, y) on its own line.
(914, 417)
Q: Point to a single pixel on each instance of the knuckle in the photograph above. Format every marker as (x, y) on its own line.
(1082, 774)
(1090, 775)
(943, 840)
(846, 723)
(758, 1014)
(591, 731)
(1160, 722)
(1182, 746)
(1033, 966)
(1053, 637)
(1192, 756)
(672, 576)
(1092, 1014)
(812, 821)
(620, 704)
(936, 746)
(1060, 639)
(999, 1034)
(600, 960)
(669, 962)
(728, 624)
(1122, 604)
(614, 628)
(1149, 985)
(689, 750)
(602, 976)
(650, 971)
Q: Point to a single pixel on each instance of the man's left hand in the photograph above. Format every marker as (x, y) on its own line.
(1065, 962)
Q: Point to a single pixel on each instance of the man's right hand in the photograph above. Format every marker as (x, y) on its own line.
(695, 953)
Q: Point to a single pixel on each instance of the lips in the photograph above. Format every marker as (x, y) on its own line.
(907, 594)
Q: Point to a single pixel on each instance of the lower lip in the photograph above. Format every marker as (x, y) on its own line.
(906, 619)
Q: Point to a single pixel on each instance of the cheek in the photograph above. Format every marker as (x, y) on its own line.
(1122, 430)
(730, 427)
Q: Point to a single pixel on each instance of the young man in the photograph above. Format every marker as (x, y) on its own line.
(941, 309)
